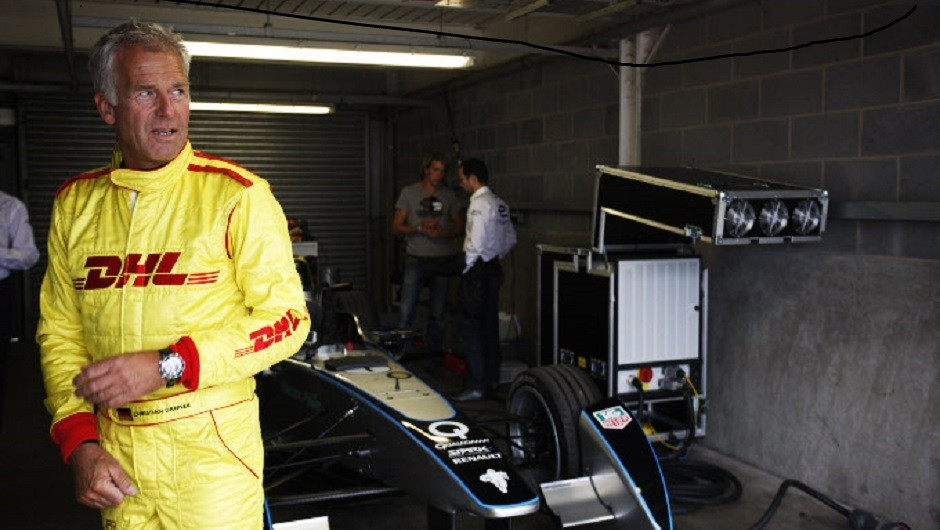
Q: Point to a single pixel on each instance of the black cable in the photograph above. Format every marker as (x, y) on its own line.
(641, 413)
(806, 489)
(682, 450)
(455, 142)
(858, 519)
(693, 485)
(646, 418)
(560, 51)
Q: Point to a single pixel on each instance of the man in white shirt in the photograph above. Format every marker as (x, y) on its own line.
(17, 252)
(489, 237)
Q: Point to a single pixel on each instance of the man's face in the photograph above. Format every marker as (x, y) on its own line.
(151, 117)
(464, 181)
(434, 174)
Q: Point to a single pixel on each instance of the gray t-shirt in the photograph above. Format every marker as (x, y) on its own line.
(420, 205)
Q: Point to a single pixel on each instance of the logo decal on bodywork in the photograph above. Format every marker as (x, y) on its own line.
(500, 479)
(613, 417)
(137, 270)
(449, 429)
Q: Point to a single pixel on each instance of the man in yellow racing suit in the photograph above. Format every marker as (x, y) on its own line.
(170, 284)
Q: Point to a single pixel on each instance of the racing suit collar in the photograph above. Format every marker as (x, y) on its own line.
(480, 191)
(152, 180)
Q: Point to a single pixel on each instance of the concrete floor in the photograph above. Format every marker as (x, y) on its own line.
(36, 490)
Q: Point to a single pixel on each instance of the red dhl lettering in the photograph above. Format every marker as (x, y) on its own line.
(268, 335)
(138, 270)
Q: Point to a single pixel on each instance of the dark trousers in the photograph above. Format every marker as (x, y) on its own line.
(479, 307)
(433, 272)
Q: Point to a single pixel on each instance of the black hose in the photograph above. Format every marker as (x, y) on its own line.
(806, 489)
(693, 485)
(682, 450)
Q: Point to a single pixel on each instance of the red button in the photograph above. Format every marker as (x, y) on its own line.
(645, 374)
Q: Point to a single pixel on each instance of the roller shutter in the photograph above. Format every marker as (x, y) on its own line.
(316, 166)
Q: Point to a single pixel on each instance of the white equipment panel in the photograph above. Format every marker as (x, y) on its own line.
(657, 310)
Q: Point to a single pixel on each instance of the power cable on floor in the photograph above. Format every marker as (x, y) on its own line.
(694, 485)
(691, 485)
(859, 519)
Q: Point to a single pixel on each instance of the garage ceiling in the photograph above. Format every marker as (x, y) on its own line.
(489, 30)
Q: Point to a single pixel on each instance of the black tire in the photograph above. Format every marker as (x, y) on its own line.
(586, 388)
(544, 404)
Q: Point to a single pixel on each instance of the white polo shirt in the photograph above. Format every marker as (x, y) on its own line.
(489, 229)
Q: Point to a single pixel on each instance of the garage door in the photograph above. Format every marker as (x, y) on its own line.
(316, 166)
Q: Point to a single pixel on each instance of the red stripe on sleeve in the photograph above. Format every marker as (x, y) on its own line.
(190, 354)
(72, 430)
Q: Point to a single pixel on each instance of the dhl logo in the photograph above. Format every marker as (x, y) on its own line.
(136, 270)
(268, 335)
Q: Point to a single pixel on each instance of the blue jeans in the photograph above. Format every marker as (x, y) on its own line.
(479, 306)
(434, 272)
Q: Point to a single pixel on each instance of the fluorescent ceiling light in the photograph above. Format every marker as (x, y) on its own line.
(458, 3)
(261, 107)
(324, 55)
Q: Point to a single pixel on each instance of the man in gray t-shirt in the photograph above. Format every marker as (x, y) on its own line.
(427, 215)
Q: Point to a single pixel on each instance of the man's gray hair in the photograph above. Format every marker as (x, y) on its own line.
(153, 37)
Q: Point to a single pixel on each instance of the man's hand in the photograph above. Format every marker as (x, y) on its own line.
(99, 480)
(118, 380)
(431, 227)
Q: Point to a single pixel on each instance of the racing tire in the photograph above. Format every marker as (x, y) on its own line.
(547, 402)
(586, 388)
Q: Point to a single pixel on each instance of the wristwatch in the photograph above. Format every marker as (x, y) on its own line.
(171, 366)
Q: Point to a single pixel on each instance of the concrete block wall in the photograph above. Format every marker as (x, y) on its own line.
(823, 358)
(541, 130)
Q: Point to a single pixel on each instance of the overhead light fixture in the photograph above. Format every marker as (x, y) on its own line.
(326, 55)
(270, 108)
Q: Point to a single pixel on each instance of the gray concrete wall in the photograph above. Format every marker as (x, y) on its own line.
(824, 368)
(823, 358)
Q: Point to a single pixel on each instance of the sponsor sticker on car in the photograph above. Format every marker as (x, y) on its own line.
(500, 479)
(613, 417)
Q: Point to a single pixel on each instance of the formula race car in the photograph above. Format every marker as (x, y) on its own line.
(343, 418)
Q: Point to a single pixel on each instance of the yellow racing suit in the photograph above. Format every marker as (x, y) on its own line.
(194, 256)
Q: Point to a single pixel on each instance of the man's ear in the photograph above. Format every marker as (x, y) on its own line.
(105, 109)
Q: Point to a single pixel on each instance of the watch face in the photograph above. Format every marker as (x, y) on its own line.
(171, 366)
